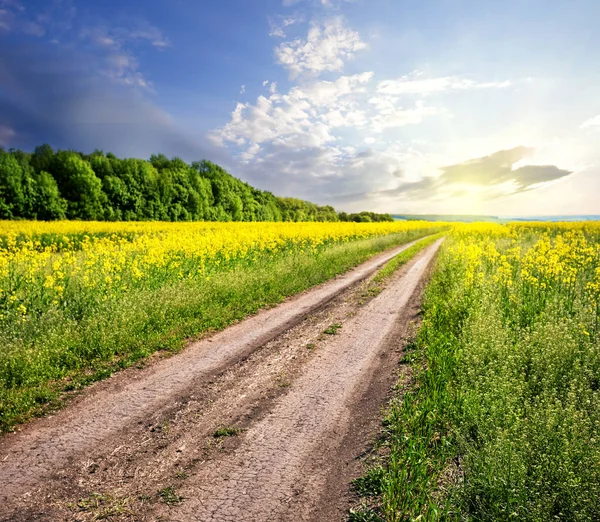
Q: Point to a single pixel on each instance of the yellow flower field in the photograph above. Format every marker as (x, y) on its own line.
(80, 299)
(503, 421)
(41, 263)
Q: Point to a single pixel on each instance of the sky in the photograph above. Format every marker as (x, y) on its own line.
(402, 106)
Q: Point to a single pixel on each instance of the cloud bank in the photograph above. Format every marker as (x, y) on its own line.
(48, 93)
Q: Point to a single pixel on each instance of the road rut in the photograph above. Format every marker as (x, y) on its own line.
(281, 466)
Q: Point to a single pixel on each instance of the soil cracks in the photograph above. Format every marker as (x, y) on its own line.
(264, 421)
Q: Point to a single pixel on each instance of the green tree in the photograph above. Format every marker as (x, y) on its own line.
(49, 204)
(79, 185)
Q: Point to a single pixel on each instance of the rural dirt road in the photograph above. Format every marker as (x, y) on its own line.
(295, 405)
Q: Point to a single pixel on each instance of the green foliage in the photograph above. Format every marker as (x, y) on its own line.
(226, 431)
(365, 217)
(370, 484)
(405, 256)
(27, 193)
(364, 515)
(52, 185)
(170, 496)
(502, 421)
(332, 329)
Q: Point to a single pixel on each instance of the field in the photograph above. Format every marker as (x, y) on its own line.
(80, 300)
(497, 416)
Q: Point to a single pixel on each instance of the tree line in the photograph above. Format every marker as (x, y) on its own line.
(65, 184)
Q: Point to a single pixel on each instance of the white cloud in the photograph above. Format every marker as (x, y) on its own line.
(149, 33)
(250, 152)
(6, 19)
(325, 93)
(592, 122)
(123, 68)
(303, 117)
(243, 89)
(417, 83)
(324, 3)
(14, 4)
(105, 35)
(336, 118)
(391, 115)
(279, 24)
(314, 141)
(119, 43)
(264, 84)
(307, 117)
(326, 48)
(33, 28)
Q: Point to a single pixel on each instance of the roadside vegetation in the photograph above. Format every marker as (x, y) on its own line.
(499, 416)
(79, 300)
(405, 256)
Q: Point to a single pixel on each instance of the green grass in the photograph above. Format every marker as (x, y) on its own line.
(502, 419)
(170, 496)
(332, 329)
(226, 431)
(44, 356)
(405, 256)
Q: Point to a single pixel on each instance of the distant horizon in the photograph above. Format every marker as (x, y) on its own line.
(489, 215)
(500, 218)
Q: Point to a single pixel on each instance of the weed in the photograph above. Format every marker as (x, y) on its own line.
(226, 431)
(370, 484)
(333, 329)
(104, 506)
(364, 514)
(169, 496)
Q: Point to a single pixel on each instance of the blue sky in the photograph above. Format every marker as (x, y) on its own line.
(433, 106)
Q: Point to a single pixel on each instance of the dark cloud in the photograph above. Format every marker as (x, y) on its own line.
(531, 175)
(422, 188)
(57, 96)
(488, 172)
(497, 168)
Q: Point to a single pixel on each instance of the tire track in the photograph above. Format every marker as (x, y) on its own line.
(279, 471)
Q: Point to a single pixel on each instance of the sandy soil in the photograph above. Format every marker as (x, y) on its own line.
(298, 406)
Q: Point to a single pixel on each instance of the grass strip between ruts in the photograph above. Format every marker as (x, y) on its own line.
(405, 256)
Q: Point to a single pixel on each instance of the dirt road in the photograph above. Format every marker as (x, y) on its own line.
(294, 406)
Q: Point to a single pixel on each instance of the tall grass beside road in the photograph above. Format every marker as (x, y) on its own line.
(501, 419)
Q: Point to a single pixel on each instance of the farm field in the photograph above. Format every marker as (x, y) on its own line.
(79, 300)
(497, 413)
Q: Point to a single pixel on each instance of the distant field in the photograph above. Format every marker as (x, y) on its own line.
(501, 420)
(79, 300)
(467, 218)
